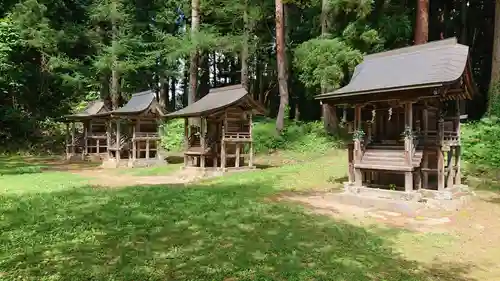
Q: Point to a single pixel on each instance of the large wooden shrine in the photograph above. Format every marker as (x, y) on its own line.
(87, 136)
(218, 129)
(133, 132)
(404, 108)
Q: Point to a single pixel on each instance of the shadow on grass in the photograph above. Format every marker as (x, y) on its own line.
(175, 159)
(198, 233)
(19, 165)
(32, 165)
(264, 166)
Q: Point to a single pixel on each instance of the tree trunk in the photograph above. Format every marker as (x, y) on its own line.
(185, 87)
(280, 58)
(495, 64)
(422, 22)
(193, 65)
(204, 86)
(163, 96)
(173, 86)
(114, 91)
(104, 90)
(244, 49)
(115, 77)
(330, 120)
(262, 85)
(214, 73)
(463, 23)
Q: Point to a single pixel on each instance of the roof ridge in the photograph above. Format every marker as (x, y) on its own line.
(143, 93)
(416, 48)
(225, 88)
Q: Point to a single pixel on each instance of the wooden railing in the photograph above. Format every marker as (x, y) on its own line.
(237, 136)
(148, 135)
(97, 135)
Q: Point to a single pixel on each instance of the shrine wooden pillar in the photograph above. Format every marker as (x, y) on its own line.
(85, 149)
(440, 155)
(408, 126)
(73, 133)
(118, 156)
(134, 142)
(203, 142)
(458, 148)
(250, 149)
(358, 175)
(409, 145)
(223, 144)
(108, 136)
(67, 142)
(158, 142)
(186, 141)
(425, 155)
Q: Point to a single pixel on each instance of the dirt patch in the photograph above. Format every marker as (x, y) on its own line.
(470, 236)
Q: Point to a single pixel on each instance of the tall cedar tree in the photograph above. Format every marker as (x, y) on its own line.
(280, 59)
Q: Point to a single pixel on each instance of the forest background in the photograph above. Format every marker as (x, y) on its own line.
(55, 56)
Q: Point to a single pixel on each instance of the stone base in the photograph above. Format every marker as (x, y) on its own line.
(219, 169)
(450, 199)
(129, 163)
(382, 193)
(141, 163)
(87, 158)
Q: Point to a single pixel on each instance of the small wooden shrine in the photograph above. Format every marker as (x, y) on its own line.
(218, 129)
(404, 108)
(133, 132)
(87, 136)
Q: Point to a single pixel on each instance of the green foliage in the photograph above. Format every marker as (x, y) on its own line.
(297, 137)
(494, 99)
(323, 62)
(480, 141)
(173, 135)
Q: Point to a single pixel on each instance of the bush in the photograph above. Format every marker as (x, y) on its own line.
(297, 136)
(173, 135)
(480, 141)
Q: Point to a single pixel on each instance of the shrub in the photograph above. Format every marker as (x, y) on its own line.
(297, 136)
(173, 135)
(480, 141)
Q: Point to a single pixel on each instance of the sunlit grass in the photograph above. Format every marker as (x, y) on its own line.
(54, 226)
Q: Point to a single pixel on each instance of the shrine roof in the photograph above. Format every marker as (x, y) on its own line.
(219, 99)
(434, 64)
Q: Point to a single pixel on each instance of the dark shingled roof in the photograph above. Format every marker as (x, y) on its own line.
(219, 99)
(93, 108)
(138, 103)
(433, 64)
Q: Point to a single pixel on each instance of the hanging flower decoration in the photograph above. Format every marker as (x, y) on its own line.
(373, 115)
(408, 133)
(358, 134)
(390, 114)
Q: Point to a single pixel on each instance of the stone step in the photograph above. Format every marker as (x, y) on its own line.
(389, 162)
(390, 156)
(386, 147)
(384, 167)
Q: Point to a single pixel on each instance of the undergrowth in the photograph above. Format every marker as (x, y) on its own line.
(480, 142)
(297, 136)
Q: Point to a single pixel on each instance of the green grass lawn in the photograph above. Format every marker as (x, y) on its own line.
(55, 227)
